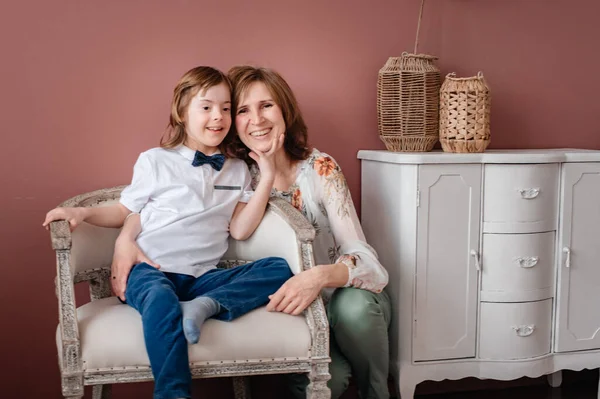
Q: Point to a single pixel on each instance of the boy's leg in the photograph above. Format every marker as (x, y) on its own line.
(195, 313)
(243, 288)
(152, 294)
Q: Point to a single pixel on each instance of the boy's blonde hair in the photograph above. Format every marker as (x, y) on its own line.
(194, 80)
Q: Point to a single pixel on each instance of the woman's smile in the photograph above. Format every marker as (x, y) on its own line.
(260, 133)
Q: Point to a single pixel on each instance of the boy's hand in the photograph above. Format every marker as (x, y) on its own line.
(126, 255)
(266, 160)
(74, 216)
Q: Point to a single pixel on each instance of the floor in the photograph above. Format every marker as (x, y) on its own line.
(571, 391)
(576, 385)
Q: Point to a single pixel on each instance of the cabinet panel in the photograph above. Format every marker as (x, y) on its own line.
(447, 259)
(578, 316)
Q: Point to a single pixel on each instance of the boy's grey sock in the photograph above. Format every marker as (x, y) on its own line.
(195, 312)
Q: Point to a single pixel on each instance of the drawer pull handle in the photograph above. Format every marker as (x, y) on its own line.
(567, 252)
(524, 331)
(529, 193)
(475, 254)
(527, 261)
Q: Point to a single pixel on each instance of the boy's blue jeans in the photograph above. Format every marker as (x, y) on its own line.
(156, 296)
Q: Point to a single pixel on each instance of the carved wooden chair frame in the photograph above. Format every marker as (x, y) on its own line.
(73, 375)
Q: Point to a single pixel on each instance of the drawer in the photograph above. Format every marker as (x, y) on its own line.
(517, 267)
(515, 330)
(520, 198)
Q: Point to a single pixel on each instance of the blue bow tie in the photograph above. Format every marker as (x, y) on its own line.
(216, 161)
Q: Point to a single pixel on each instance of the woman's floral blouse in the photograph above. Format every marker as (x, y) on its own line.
(322, 195)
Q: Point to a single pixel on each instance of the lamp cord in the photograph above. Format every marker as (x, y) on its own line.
(419, 26)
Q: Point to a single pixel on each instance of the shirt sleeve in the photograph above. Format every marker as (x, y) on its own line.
(364, 269)
(136, 195)
(247, 190)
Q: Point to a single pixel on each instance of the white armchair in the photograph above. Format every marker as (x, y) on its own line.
(101, 342)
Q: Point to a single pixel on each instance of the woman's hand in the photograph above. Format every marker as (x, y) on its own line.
(266, 160)
(74, 216)
(297, 293)
(126, 255)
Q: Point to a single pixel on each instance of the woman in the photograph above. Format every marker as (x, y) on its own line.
(348, 272)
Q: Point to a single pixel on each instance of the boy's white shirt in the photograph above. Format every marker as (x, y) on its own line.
(185, 210)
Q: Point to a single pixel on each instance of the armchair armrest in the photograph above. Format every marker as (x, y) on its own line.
(315, 314)
(62, 241)
(70, 360)
(60, 235)
(94, 198)
(304, 230)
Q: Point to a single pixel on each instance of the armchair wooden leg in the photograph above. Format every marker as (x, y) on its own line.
(72, 386)
(317, 388)
(102, 391)
(241, 388)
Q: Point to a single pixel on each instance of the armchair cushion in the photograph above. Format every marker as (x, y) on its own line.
(111, 336)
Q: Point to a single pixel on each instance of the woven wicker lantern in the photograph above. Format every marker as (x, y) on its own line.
(407, 102)
(465, 114)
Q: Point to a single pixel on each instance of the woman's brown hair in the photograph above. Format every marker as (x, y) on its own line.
(194, 80)
(296, 134)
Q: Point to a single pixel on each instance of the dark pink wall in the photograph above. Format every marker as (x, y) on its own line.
(85, 86)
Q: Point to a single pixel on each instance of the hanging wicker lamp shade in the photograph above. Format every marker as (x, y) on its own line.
(408, 92)
(408, 102)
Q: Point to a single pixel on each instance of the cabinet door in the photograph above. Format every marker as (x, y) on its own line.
(447, 261)
(578, 313)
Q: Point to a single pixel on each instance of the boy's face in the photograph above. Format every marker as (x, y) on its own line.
(208, 119)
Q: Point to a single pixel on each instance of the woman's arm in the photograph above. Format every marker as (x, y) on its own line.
(359, 258)
(357, 266)
(127, 254)
(299, 291)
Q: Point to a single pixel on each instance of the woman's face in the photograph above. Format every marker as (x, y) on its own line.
(258, 120)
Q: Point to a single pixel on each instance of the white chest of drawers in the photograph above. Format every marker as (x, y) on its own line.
(494, 261)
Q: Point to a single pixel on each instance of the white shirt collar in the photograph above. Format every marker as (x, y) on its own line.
(188, 153)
